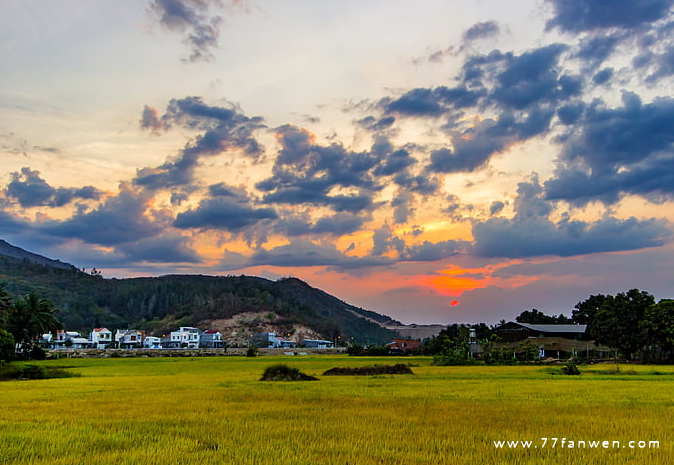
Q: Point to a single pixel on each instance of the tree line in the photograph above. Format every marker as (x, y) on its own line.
(631, 322)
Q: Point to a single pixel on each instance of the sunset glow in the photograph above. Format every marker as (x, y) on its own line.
(486, 161)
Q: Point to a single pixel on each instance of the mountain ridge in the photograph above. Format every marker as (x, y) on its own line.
(161, 304)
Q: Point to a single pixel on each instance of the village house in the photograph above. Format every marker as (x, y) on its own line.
(317, 344)
(101, 338)
(152, 342)
(211, 339)
(402, 344)
(186, 337)
(270, 340)
(129, 338)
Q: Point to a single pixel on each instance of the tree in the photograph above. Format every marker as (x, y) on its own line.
(658, 325)
(537, 317)
(585, 311)
(7, 346)
(5, 307)
(30, 318)
(616, 323)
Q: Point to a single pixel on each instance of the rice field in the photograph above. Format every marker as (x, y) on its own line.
(216, 411)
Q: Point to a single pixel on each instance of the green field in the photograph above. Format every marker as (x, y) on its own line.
(216, 411)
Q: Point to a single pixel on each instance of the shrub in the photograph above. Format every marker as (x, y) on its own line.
(283, 372)
(37, 353)
(12, 371)
(399, 369)
(570, 368)
(252, 352)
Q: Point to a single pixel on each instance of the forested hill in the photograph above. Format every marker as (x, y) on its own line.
(163, 303)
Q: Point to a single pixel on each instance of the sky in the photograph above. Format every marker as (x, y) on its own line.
(436, 161)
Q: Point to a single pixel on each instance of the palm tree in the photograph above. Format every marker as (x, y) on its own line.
(30, 318)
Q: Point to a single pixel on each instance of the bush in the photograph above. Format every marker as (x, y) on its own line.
(12, 371)
(283, 372)
(570, 368)
(252, 352)
(37, 353)
(399, 369)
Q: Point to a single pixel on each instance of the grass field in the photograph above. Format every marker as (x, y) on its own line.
(216, 411)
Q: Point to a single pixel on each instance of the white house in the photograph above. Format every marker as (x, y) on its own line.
(101, 338)
(211, 339)
(317, 343)
(152, 342)
(186, 336)
(129, 338)
(270, 340)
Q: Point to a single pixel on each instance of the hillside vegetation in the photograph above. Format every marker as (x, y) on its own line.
(161, 304)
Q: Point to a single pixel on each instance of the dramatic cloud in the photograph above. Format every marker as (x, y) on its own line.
(532, 233)
(30, 190)
(150, 119)
(481, 31)
(228, 211)
(474, 146)
(164, 248)
(120, 219)
(306, 173)
(617, 151)
(196, 20)
(589, 15)
(431, 102)
(224, 129)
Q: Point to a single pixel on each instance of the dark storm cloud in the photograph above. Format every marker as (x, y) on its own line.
(533, 77)
(473, 147)
(395, 163)
(590, 15)
(338, 224)
(221, 190)
(177, 198)
(532, 233)
(433, 102)
(30, 190)
(305, 173)
(119, 219)
(570, 113)
(164, 248)
(376, 124)
(616, 151)
(662, 64)
(603, 76)
(421, 184)
(596, 49)
(496, 208)
(224, 128)
(194, 19)
(224, 213)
